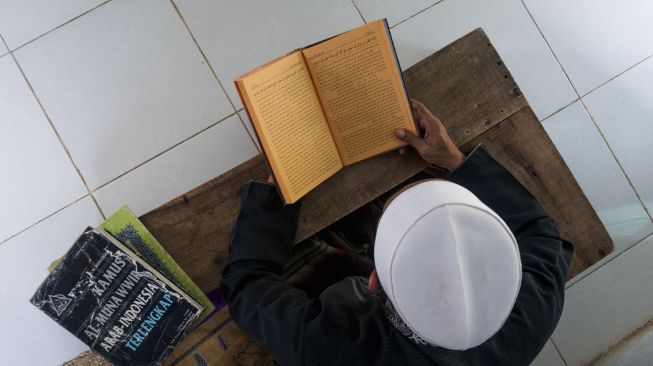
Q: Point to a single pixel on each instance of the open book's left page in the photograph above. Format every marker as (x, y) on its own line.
(288, 119)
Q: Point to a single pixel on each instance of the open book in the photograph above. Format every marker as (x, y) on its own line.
(326, 106)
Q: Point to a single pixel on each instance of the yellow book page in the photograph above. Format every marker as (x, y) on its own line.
(288, 119)
(359, 83)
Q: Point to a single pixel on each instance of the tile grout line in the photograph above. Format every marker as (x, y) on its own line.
(418, 13)
(633, 331)
(164, 151)
(358, 11)
(206, 59)
(623, 171)
(215, 75)
(537, 26)
(43, 219)
(557, 350)
(559, 110)
(650, 235)
(57, 27)
(2, 42)
(242, 122)
(616, 76)
(623, 344)
(630, 182)
(54, 129)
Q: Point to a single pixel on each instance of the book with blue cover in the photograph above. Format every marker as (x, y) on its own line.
(112, 300)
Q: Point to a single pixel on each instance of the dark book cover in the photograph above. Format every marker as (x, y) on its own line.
(117, 304)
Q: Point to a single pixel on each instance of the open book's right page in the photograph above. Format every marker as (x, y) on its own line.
(358, 80)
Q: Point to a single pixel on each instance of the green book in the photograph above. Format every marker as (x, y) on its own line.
(128, 229)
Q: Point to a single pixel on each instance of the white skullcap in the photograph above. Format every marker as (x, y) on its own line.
(448, 263)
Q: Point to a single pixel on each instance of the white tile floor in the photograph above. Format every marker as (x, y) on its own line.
(595, 169)
(105, 103)
(635, 351)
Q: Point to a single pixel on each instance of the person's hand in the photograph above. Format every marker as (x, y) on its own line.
(436, 146)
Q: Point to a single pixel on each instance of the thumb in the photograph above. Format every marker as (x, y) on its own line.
(411, 139)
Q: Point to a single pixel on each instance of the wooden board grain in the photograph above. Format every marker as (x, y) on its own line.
(353, 187)
(219, 341)
(467, 86)
(522, 145)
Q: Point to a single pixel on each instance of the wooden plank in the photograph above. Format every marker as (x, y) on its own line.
(195, 228)
(467, 86)
(219, 342)
(522, 145)
(353, 187)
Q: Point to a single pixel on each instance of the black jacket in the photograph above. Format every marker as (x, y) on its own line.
(347, 325)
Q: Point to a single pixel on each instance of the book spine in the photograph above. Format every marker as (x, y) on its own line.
(401, 74)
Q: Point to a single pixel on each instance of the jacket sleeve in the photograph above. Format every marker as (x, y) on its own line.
(274, 313)
(545, 256)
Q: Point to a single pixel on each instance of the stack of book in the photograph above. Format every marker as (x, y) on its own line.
(122, 294)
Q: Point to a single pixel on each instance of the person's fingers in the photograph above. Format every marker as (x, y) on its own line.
(424, 116)
(411, 139)
(431, 120)
(373, 282)
(402, 150)
(421, 109)
(418, 107)
(423, 124)
(427, 121)
(415, 103)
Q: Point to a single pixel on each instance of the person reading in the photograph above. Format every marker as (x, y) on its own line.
(469, 271)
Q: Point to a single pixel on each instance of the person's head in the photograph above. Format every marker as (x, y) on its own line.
(449, 264)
